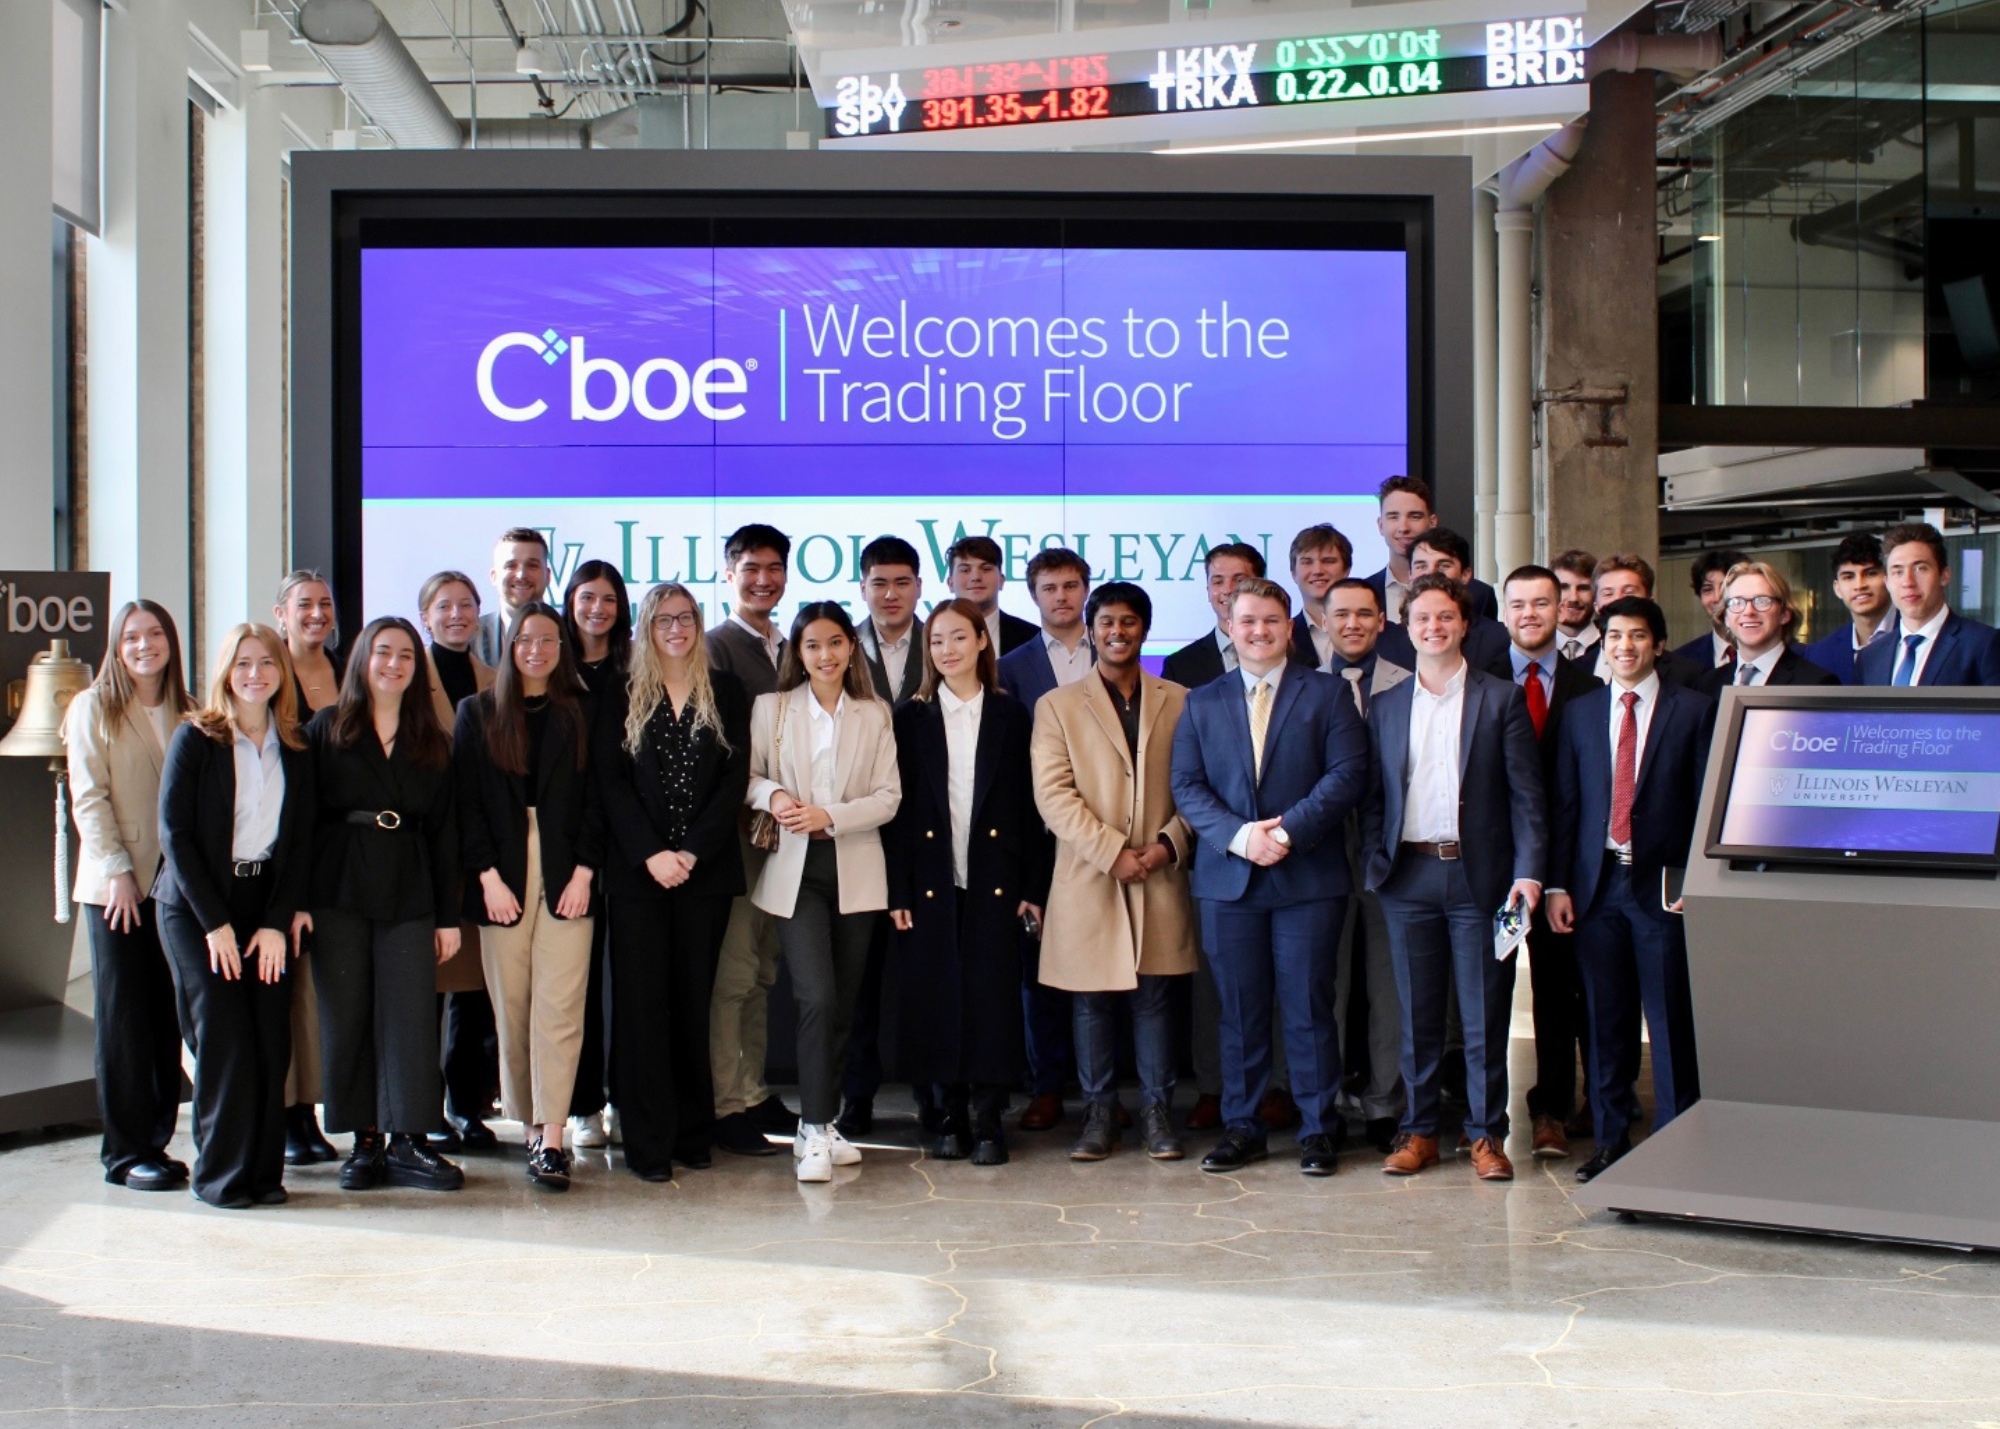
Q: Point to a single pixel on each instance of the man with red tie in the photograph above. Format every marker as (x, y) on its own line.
(1629, 765)
(1531, 604)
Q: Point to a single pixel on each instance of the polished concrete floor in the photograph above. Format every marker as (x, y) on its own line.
(919, 1293)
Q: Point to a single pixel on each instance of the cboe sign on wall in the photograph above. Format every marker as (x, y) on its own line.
(637, 404)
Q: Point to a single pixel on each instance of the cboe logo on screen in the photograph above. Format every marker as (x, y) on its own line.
(659, 389)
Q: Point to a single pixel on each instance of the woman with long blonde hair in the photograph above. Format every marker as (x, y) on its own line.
(673, 761)
(236, 803)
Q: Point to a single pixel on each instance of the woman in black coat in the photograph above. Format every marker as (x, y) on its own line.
(236, 854)
(967, 872)
(673, 761)
(384, 908)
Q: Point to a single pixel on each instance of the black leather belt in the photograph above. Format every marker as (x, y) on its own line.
(249, 868)
(375, 818)
(1447, 851)
(1617, 857)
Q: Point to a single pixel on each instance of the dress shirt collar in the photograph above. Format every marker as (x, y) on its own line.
(1270, 677)
(1648, 690)
(1451, 687)
(1366, 665)
(1059, 651)
(882, 642)
(1929, 629)
(818, 713)
(1545, 662)
(1764, 664)
(952, 705)
(772, 643)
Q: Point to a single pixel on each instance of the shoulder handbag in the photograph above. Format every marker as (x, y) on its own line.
(764, 827)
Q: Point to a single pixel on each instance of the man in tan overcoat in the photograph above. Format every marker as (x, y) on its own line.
(1119, 923)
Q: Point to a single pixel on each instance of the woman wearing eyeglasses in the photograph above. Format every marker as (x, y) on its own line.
(823, 765)
(673, 762)
(384, 908)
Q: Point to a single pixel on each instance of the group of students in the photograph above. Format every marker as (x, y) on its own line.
(579, 841)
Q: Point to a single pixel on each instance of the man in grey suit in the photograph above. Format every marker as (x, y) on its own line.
(750, 646)
(520, 576)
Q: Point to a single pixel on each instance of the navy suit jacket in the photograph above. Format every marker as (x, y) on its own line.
(1663, 803)
(1026, 674)
(1315, 771)
(1199, 662)
(1967, 653)
(1502, 821)
(1701, 650)
(1484, 601)
(1792, 668)
(1835, 653)
(1486, 644)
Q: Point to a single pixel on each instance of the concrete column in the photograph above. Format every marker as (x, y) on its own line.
(139, 312)
(1513, 517)
(243, 360)
(1600, 364)
(1486, 561)
(27, 293)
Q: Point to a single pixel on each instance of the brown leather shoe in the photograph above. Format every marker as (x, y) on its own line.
(1278, 1111)
(1489, 1162)
(1207, 1113)
(1412, 1154)
(1044, 1112)
(1551, 1141)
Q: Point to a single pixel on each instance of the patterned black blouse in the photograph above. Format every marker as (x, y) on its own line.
(672, 739)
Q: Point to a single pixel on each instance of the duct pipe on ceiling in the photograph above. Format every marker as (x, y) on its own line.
(1683, 55)
(371, 62)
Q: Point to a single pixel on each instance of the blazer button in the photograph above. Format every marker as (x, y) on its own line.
(930, 833)
(929, 893)
(999, 893)
(993, 833)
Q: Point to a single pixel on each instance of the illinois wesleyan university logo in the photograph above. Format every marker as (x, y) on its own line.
(658, 389)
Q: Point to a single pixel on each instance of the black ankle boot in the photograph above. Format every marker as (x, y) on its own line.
(362, 1171)
(409, 1162)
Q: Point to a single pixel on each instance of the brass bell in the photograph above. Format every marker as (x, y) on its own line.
(38, 703)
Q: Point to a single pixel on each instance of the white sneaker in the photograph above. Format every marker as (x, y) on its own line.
(843, 1151)
(815, 1157)
(613, 1132)
(586, 1133)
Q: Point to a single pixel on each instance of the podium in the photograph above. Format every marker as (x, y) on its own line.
(1848, 1027)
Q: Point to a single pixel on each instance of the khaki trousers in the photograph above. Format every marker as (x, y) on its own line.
(537, 972)
(305, 1077)
(744, 973)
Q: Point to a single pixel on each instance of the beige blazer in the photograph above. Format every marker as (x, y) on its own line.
(1098, 934)
(864, 768)
(114, 780)
(482, 674)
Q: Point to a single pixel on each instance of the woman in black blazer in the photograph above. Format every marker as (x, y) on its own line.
(673, 760)
(530, 838)
(384, 908)
(968, 871)
(236, 799)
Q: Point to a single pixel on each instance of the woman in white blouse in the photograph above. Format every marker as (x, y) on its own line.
(117, 732)
(823, 764)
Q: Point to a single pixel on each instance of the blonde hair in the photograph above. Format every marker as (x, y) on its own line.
(646, 679)
(291, 583)
(216, 717)
(1772, 577)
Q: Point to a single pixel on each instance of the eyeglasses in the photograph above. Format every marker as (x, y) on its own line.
(533, 643)
(686, 620)
(1759, 603)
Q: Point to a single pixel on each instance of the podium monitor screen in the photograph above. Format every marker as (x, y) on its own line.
(1862, 782)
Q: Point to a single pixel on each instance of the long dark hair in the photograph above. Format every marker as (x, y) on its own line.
(988, 666)
(418, 732)
(114, 686)
(506, 706)
(792, 673)
(621, 630)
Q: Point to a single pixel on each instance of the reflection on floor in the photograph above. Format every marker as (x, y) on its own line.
(913, 1292)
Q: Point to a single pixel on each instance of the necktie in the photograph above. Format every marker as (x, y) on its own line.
(1260, 722)
(1352, 674)
(1728, 656)
(1538, 699)
(1906, 668)
(1625, 770)
(1746, 674)
(1572, 648)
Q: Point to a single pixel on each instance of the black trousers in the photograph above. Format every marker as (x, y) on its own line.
(827, 951)
(377, 1022)
(1560, 1021)
(596, 1065)
(663, 961)
(138, 1039)
(471, 1062)
(241, 1035)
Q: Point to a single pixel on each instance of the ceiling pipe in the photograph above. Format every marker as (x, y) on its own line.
(1683, 55)
(353, 40)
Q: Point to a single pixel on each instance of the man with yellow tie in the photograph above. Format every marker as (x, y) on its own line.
(1267, 764)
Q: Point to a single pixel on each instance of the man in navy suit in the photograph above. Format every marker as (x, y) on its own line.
(1407, 512)
(1859, 581)
(1446, 553)
(1454, 829)
(1266, 768)
(1707, 576)
(1931, 643)
(1757, 604)
(1059, 581)
(1628, 777)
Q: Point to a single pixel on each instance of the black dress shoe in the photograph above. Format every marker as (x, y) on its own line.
(734, 1133)
(362, 1171)
(276, 1196)
(856, 1119)
(227, 1203)
(771, 1114)
(1236, 1150)
(475, 1135)
(695, 1158)
(1318, 1156)
(548, 1167)
(300, 1149)
(150, 1176)
(658, 1175)
(1600, 1163)
(179, 1168)
(408, 1162)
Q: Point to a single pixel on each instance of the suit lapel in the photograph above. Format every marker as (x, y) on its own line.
(142, 727)
(1151, 697)
(1468, 723)
(1946, 638)
(935, 750)
(1098, 699)
(986, 755)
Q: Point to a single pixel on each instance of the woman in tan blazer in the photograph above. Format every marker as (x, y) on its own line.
(448, 605)
(116, 732)
(823, 764)
(1119, 922)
